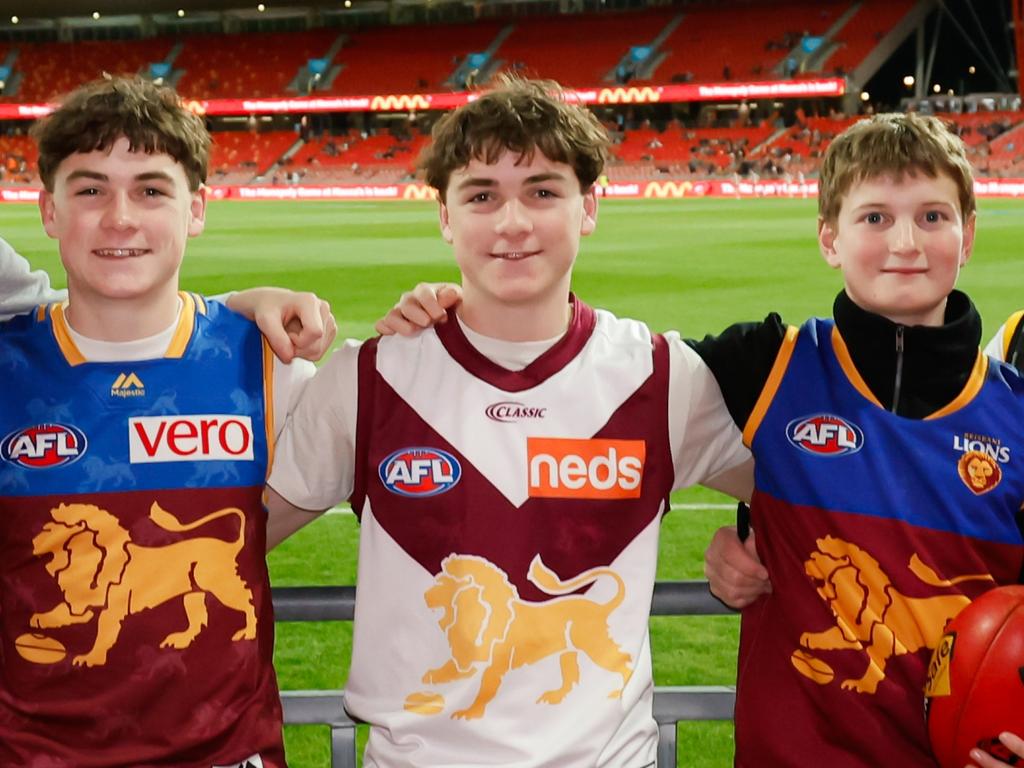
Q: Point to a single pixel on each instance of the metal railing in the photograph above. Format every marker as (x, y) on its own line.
(671, 704)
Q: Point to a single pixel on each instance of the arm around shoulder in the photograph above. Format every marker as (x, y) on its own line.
(741, 359)
(21, 289)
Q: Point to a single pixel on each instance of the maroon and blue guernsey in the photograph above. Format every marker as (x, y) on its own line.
(876, 529)
(135, 620)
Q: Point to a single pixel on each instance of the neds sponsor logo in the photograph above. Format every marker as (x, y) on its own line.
(573, 468)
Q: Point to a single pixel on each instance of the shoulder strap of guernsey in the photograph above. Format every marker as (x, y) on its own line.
(1013, 340)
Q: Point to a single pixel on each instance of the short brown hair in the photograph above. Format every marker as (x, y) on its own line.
(893, 144)
(152, 118)
(522, 116)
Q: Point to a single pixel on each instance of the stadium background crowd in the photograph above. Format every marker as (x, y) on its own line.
(369, 47)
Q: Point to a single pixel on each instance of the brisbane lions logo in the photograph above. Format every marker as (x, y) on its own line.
(106, 577)
(486, 623)
(871, 615)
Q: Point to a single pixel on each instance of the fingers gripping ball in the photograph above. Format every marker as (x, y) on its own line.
(975, 687)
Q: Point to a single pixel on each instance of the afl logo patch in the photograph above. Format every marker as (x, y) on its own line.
(825, 435)
(419, 472)
(43, 446)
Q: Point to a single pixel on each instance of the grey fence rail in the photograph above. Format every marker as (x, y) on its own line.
(671, 704)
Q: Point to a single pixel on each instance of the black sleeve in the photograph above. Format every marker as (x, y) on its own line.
(741, 357)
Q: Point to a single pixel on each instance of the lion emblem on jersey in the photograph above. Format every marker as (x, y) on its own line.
(979, 472)
(871, 614)
(104, 575)
(486, 623)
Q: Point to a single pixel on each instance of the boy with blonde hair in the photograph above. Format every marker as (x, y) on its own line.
(887, 494)
(137, 423)
(510, 469)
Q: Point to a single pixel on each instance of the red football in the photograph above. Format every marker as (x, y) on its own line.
(975, 685)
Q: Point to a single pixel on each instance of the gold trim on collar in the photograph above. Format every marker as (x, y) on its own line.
(846, 363)
(186, 324)
(771, 386)
(1011, 325)
(971, 388)
(62, 335)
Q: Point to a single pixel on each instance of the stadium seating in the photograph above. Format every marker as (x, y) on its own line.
(18, 157)
(749, 43)
(407, 59)
(246, 66)
(51, 69)
(578, 51)
(247, 154)
(862, 32)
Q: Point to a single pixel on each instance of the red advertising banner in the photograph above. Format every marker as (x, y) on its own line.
(660, 190)
(410, 102)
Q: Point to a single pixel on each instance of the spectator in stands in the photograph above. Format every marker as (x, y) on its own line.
(118, 375)
(468, 531)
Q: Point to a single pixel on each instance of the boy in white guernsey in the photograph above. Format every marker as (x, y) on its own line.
(510, 468)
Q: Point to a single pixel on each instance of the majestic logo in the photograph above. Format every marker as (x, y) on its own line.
(568, 468)
(825, 435)
(208, 437)
(486, 623)
(419, 472)
(511, 412)
(667, 188)
(44, 446)
(107, 578)
(871, 615)
(128, 385)
(979, 471)
(631, 95)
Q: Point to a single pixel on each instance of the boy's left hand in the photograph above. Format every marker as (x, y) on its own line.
(1012, 742)
(295, 324)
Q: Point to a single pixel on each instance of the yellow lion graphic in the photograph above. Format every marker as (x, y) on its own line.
(871, 615)
(486, 622)
(103, 574)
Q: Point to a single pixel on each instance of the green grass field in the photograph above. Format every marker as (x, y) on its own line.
(692, 265)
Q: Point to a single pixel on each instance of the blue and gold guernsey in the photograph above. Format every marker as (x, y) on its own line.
(136, 627)
(876, 530)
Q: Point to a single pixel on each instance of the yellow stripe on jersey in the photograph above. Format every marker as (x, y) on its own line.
(186, 324)
(268, 400)
(200, 303)
(63, 336)
(846, 363)
(971, 388)
(1008, 330)
(41, 312)
(771, 386)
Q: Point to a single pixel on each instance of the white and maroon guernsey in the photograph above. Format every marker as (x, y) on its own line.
(509, 535)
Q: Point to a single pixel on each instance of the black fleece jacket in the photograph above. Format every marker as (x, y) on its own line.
(929, 372)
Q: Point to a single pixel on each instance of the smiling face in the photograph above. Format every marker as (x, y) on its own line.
(900, 243)
(122, 219)
(515, 226)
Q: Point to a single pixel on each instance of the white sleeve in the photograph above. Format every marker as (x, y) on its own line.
(314, 459)
(995, 347)
(289, 381)
(21, 289)
(705, 440)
